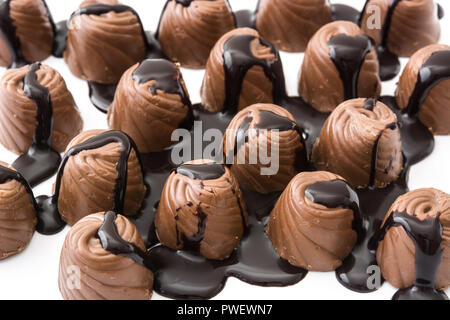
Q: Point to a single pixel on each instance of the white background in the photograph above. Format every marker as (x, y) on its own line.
(33, 273)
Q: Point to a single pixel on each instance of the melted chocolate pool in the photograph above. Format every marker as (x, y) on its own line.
(41, 161)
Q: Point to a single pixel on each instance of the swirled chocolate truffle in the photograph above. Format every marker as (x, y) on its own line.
(201, 209)
(312, 224)
(406, 26)
(238, 70)
(89, 178)
(424, 88)
(416, 242)
(104, 41)
(89, 272)
(290, 24)
(19, 112)
(340, 63)
(151, 102)
(189, 29)
(361, 142)
(17, 212)
(252, 130)
(27, 32)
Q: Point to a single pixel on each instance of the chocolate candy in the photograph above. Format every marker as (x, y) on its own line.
(424, 88)
(312, 224)
(340, 63)
(361, 142)
(201, 209)
(104, 41)
(290, 24)
(17, 212)
(249, 132)
(414, 252)
(151, 101)
(188, 30)
(87, 271)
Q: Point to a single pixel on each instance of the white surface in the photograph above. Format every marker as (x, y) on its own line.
(33, 273)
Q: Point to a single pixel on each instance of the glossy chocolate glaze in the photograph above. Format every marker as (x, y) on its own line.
(336, 194)
(348, 54)
(208, 171)
(427, 238)
(238, 59)
(41, 161)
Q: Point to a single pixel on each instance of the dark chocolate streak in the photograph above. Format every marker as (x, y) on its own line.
(111, 241)
(7, 174)
(49, 205)
(348, 54)
(432, 72)
(40, 162)
(336, 194)
(238, 59)
(207, 171)
(427, 238)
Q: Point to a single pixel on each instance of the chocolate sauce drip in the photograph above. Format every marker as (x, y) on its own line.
(7, 174)
(389, 62)
(49, 205)
(166, 75)
(241, 136)
(433, 71)
(370, 103)
(111, 241)
(238, 59)
(8, 33)
(427, 238)
(41, 161)
(348, 54)
(336, 194)
(206, 171)
(342, 12)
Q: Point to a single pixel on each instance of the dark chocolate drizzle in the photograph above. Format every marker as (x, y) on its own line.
(427, 238)
(238, 59)
(207, 171)
(432, 72)
(111, 241)
(342, 12)
(348, 54)
(336, 194)
(49, 205)
(41, 161)
(166, 75)
(7, 174)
